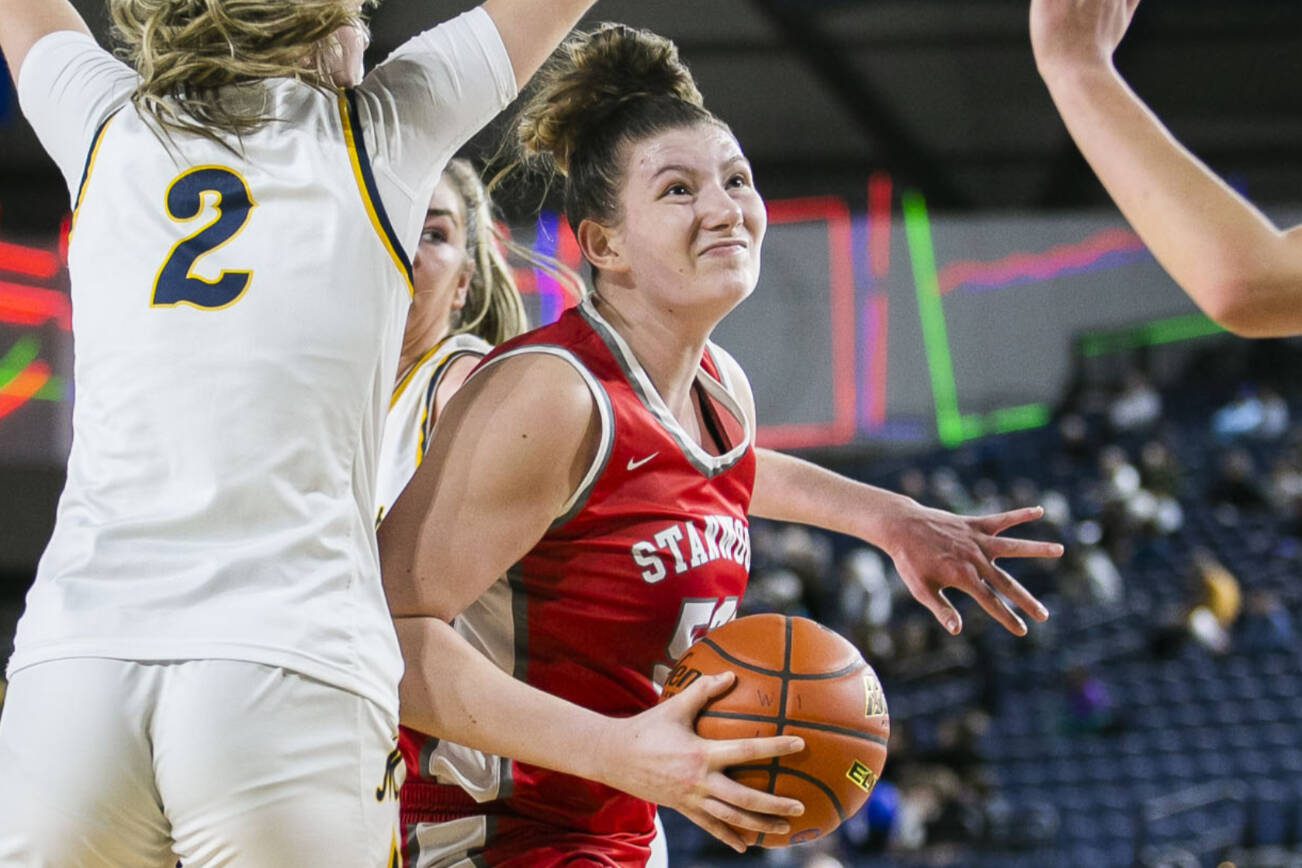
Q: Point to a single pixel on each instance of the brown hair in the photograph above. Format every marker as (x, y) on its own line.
(187, 50)
(599, 93)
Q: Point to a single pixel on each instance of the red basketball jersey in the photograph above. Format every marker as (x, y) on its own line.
(653, 551)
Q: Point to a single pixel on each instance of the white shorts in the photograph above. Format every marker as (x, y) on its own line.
(212, 762)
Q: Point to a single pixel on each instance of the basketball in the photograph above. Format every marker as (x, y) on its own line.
(795, 677)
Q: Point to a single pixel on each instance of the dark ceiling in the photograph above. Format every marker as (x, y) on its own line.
(941, 93)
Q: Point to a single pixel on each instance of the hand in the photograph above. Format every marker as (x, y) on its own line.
(658, 756)
(1078, 32)
(934, 550)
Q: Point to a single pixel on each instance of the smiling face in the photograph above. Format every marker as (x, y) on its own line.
(691, 222)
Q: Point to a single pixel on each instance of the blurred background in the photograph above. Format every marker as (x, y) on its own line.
(949, 308)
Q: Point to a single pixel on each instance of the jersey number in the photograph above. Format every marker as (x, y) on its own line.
(697, 618)
(177, 283)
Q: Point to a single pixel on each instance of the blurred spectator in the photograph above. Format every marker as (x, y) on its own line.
(1088, 573)
(1266, 624)
(1159, 470)
(1253, 413)
(1219, 603)
(1137, 407)
(947, 492)
(867, 600)
(1286, 493)
(988, 500)
(1236, 485)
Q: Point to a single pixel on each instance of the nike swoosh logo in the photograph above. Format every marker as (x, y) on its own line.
(634, 465)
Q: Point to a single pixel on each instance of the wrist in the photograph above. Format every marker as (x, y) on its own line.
(598, 748)
(1075, 72)
(881, 526)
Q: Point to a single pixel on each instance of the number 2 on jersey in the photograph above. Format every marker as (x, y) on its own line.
(187, 199)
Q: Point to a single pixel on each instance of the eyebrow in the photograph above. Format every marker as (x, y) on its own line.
(687, 170)
(433, 213)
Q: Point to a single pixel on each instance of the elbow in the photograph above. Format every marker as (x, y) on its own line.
(1238, 305)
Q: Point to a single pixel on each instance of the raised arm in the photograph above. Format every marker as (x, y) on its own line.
(24, 22)
(1242, 270)
(532, 29)
(510, 449)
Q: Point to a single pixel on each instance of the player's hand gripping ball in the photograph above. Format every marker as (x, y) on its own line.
(795, 677)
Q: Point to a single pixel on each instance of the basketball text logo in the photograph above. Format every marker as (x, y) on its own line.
(875, 700)
(862, 776)
(680, 678)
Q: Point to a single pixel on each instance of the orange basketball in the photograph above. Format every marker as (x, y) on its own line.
(795, 677)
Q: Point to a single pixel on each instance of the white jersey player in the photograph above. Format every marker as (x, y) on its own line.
(206, 669)
(413, 411)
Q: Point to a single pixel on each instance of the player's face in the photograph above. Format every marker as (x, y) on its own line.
(442, 268)
(693, 222)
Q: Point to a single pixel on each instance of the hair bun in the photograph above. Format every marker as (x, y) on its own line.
(591, 76)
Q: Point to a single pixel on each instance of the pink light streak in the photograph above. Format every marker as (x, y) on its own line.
(1057, 261)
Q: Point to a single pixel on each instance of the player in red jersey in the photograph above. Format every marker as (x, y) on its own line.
(583, 510)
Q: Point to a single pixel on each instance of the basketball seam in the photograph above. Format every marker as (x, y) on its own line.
(775, 767)
(804, 724)
(808, 778)
(821, 676)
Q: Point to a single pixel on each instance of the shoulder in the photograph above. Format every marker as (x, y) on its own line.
(536, 384)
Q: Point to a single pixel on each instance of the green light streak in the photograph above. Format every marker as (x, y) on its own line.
(944, 392)
(20, 355)
(1021, 418)
(1162, 331)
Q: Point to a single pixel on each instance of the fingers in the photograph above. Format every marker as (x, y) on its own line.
(1008, 547)
(1000, 522)
(716, 827)
(740, 819)
(701, 691)
(944, 611)
(740, 751)
(994, 606)
(750, 800)
(1016, 594)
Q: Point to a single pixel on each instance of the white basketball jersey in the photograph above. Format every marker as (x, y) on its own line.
(411, 416)
(237, 317)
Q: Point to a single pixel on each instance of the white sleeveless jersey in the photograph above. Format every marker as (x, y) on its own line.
(237, 320)
(411, 419)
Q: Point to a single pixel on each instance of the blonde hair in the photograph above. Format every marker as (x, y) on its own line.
(494, 310)
(186, 51)
(600, 92)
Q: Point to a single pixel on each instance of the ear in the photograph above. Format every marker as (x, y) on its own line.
(602, 247)
(462, 291)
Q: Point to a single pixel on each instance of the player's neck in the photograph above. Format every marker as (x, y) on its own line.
(417, 341)
(666, 344)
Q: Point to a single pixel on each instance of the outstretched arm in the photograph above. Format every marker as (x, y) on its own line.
(532, 29)
(1236, 265)
(932, 549)
(24, 22)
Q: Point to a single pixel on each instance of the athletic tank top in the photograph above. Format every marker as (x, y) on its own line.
(652, 552)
